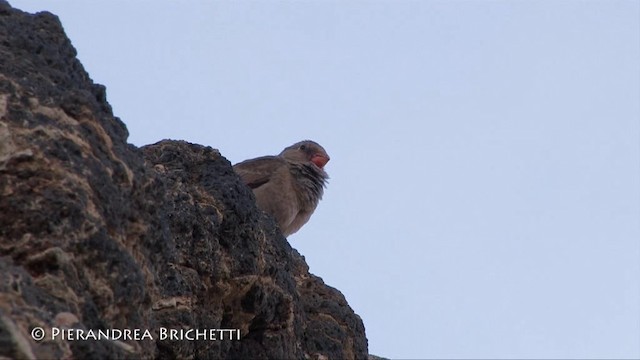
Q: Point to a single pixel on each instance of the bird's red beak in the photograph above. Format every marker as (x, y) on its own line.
(320, 160)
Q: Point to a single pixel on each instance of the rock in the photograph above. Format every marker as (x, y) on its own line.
(97, 234)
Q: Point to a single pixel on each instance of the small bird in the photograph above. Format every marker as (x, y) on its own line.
(288, 186)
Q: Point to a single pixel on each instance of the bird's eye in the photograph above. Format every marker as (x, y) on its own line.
(303, 147)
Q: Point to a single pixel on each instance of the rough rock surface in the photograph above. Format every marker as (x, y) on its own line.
(97, 234)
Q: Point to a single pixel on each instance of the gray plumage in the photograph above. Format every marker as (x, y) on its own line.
(288, 186)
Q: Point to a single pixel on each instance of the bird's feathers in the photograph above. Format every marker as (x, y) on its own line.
(287, 186)
(256, 172)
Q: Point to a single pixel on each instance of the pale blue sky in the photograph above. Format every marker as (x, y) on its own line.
(484, 199)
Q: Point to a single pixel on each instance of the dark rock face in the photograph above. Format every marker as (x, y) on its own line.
(97, 234)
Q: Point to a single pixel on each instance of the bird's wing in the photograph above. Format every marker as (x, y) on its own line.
(257, 172)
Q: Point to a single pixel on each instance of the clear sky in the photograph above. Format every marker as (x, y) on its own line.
(484, 199)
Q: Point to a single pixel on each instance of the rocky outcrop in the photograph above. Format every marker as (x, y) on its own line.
(97, 234)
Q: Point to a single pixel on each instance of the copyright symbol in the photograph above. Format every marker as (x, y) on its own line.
(37, 333)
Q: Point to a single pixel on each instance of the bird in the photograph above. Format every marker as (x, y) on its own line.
(287, 186)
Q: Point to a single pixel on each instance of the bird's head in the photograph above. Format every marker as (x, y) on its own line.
(306, 151)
